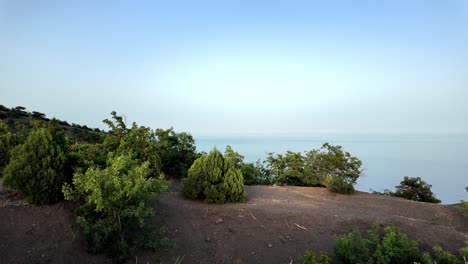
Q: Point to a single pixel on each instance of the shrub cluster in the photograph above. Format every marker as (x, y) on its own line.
(412, 188)
(116, 214)
(214, 178)
(328, 166)
(387, 246)
(309, 258)
(113, 182)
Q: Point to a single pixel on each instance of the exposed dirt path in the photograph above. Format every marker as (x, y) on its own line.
(276, 225)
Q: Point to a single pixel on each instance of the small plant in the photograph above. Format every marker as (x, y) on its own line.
(116, 214)
(215, 179)
(309, 258)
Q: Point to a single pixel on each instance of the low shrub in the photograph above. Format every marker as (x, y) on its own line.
(309, 258)
(215, 179)
(116, 214)
(389, 246)
(338, 185)
(36, 168)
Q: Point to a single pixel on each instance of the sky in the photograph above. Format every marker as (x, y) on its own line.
(241, 67)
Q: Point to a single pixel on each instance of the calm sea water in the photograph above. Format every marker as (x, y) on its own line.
(440, 160)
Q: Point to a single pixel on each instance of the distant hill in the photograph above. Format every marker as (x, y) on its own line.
(81, 133)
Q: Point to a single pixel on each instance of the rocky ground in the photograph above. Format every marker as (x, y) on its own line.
(275, 225)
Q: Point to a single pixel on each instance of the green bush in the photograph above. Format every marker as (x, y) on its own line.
(177, 152)
(255, 174)
(352, 248)
(413, 188)
(215, 179)
(138, 141)
(339, 185)
(36, 168)
(329, 164)
(116, 214)
(463, 206)
(7, 142)
(309, 258)
(396, 248)
(389, 246)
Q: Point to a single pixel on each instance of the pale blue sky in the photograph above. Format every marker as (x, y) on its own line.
(241, 67)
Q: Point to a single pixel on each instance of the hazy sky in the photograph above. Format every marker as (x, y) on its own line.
(241, 67)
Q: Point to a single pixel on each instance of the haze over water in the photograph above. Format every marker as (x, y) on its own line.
(439, 159)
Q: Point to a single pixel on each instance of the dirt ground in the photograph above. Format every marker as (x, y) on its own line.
(275, 225)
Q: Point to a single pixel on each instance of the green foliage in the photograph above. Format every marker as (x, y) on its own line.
(116, 215)
(413, 188)
(332, 161)
(352, 248)
(177, 152)
(395, 247)
(255, 174)
(215, 179)
(137, 141)
(329, 166)
(389, 246)
(309, 258)
(463, 207)
(36, 168)
(442, 256)
(7, 142)
(83, 156)
(338, 185)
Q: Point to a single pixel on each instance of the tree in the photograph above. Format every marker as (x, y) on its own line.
(138, 141)
(414, 188)
(215, 179)
(36, 168)
(176, 150)
(255, 174)
(116, 214)
(332, 161)
(235, 157)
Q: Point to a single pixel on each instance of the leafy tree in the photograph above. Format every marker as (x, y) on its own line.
(177, 152)
(215, 179)
(36, 167)
(116, 215)
(332, 161)
(255, 174)
(329, 166)
(235, 157)
(138, 141)
(414, 188)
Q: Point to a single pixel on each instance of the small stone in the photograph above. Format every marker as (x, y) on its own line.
(219, 221)
(208, 239)
(270, 245)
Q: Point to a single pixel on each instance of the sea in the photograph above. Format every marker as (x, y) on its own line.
(439, 159)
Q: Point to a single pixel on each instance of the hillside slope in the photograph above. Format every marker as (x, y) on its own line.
(276, 225)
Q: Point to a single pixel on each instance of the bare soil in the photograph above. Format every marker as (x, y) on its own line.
(275, 225)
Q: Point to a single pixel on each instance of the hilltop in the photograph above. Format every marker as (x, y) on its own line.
(18, 115)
